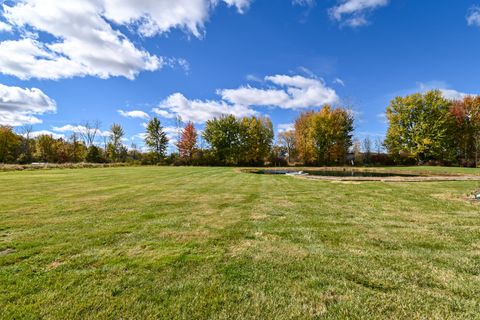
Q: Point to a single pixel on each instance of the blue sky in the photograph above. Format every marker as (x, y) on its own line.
(63, 62)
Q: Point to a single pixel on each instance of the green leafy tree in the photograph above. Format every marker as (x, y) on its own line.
(156, 140)
(115, 148)
(256, 136)
(223, 135)
(421, 127)
(94, 155)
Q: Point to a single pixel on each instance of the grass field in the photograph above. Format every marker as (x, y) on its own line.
(212, 243)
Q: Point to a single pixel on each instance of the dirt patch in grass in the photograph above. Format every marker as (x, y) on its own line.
(4, 252)
(55, 264)
(267, 246)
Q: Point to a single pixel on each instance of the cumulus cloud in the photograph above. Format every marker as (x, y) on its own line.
(447, 92)
(171, 132)
(473, 16)
(5, 27)
(35, 134)
(134, 114)
(290, 92)
(284, 127)
(19, 106)
(80, 129)
(353, 13)
(454, 94)
(198, 111)
(286, 92)
(83, 41)
(241, 5)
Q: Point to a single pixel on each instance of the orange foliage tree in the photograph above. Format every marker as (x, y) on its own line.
(187, 144)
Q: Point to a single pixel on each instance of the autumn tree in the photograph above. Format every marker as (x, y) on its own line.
(156, 139)
(420, 126)
(46, 148)
(77, 148)
(303, 137)
(9, 144)
(324, 137)
(187, 143)
(466, 113)
(256, 139)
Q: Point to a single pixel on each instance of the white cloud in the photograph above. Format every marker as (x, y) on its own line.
(382, 117)
(454, 94)
(139, 136)
(354, 13)
(307, 3)
(79, 129)
(284, 127)
(288, 92)
(35, 134)
(473, 16)
(5, 27)
(164, 113)
(291, 92)
(241, 5)
(339, 81)
(134, 114)
(20, 106)
(447, 92)
(83, 41)
(199, 111)
(172, 134)
(253, 78)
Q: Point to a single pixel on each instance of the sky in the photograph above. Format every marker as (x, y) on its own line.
(119, 61)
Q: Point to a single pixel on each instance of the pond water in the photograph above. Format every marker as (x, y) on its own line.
(338, 173)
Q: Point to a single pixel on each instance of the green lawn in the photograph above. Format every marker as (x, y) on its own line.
(212, 243)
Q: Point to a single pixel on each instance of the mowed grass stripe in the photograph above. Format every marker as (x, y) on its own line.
(213, 243)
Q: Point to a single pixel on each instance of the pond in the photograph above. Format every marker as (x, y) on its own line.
(338, 173)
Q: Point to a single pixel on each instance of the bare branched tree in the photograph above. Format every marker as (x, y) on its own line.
(367, 148)
(379, 145)
(26, 132)
(287, 139)
(89, 132)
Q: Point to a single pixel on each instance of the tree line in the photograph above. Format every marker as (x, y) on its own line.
(428, 128)
(423, 128)
(322, 137)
